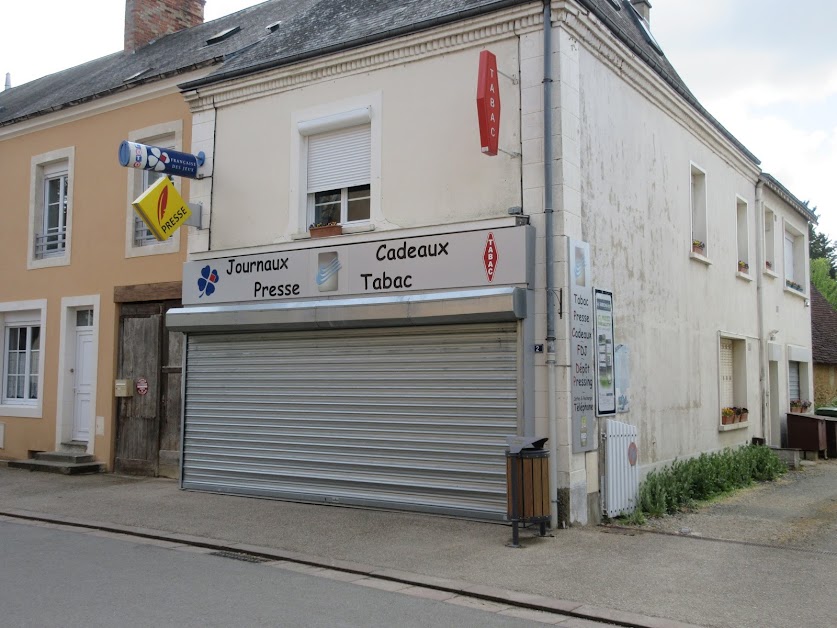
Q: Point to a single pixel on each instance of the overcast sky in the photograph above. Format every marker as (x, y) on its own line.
(767, 69)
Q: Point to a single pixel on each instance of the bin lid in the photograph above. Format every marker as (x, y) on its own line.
(829, 411)
(516, 443)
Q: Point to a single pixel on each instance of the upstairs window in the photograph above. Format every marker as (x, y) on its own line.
(338, 181)
(743, 231)
(698, 210)
(142, 235)
(769, 241)
(794, 253)
(51, 239)
(50, 208)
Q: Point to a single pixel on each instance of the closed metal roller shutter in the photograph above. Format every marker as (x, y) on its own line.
(407, 418)
(339, 159)
(727, 388)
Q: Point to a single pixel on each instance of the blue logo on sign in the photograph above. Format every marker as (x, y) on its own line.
(207, 281)
(328, 265)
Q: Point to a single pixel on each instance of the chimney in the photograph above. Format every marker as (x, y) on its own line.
(147, 20)
(8, 81)
(643, 7)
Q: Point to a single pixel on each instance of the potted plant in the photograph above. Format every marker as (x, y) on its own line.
(741, 415)
(793, 285)
(799, 405)
(325, 230)
(698, 247)
(727, 416)
(769, 265)
(743, 267)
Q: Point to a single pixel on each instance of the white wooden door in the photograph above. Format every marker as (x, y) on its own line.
(83, 385)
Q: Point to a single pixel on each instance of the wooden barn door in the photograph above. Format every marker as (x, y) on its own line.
(148, 422)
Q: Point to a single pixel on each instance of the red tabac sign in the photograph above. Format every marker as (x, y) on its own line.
(488, 103)
(490, 256)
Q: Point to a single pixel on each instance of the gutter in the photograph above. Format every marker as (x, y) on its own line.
(764, 372)
(552, 410)
(354, 43)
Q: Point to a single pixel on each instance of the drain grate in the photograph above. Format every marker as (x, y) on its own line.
(247, 558)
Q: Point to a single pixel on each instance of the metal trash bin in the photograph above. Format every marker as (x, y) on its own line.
(830, 417)
(527, 484)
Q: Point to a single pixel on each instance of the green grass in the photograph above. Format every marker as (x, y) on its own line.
(685, 482)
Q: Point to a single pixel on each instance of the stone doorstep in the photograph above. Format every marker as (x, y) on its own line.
(65, 456)
(49, 466)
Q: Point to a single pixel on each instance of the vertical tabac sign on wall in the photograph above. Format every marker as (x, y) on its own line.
(488, 103)
(583, 391)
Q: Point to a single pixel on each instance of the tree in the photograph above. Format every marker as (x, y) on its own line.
(823, 281)
(820, 247)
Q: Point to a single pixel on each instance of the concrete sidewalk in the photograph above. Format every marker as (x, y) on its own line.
(594, 572)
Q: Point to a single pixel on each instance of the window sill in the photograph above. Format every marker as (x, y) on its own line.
(770, 273)
(796, 293)
(733, 426)
(744, 276)
(700, 258)
(23, 411)
(347, 230)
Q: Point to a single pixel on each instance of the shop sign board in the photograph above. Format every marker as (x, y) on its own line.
(162, 209)
(605, 368)
(582, 389)
(488, 103)
(469, 259)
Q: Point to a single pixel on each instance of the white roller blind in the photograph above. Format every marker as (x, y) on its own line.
(793, 380)
(339, 159)
(726, 374)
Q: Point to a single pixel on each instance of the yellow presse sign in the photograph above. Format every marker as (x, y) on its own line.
(162, 209)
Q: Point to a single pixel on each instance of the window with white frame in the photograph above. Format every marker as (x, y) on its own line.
(733, 372)
(139, 241)
(743, 232)
(794, 254)
(50, 208)
(338, 180)
(769, 240)
(21, 366)
(698, 210)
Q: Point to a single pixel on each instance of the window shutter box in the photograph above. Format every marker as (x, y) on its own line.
(339, 159)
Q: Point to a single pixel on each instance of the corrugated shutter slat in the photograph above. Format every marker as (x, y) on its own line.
(412, 418)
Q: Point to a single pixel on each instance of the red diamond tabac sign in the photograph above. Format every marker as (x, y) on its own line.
(488, 103)
(490, 256)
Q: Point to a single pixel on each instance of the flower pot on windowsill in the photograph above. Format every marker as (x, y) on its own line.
(325, 231)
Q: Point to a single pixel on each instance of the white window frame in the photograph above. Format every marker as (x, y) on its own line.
(740, 381)
(770, 242)
(698, 206)
(168, 135)
(742, 221)
(796, 270)
(44, 167)
(19, 314)
(329, 117)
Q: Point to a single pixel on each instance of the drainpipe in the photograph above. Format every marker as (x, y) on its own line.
(764, 373)
(552, 409)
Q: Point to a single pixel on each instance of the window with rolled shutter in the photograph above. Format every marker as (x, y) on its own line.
(339, 159)
(793, 380)
(727, 388)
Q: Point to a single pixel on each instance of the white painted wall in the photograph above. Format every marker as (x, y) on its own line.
(431, 169)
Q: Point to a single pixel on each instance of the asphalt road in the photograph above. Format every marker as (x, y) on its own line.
(53, 577)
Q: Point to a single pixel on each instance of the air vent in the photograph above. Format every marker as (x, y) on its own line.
(137, 75)
(273, 27)
(225, 34)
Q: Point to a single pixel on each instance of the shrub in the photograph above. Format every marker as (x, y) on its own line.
(685, 482)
